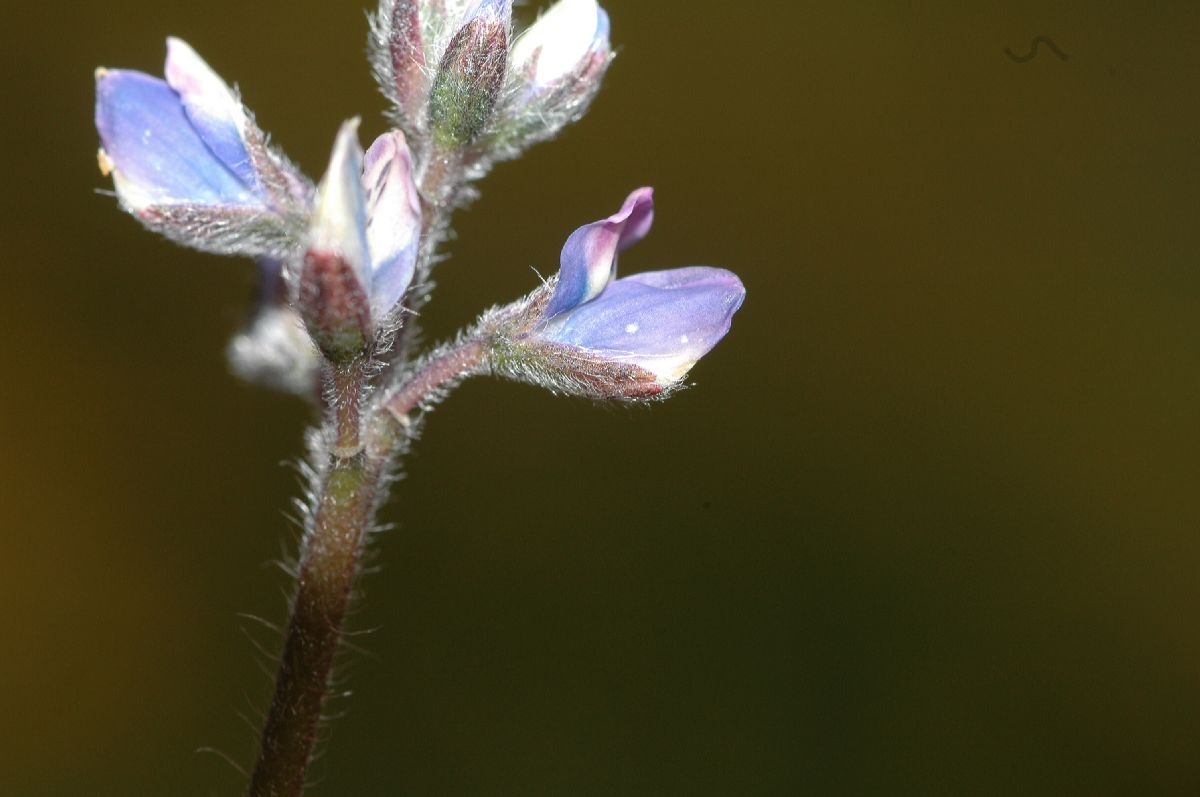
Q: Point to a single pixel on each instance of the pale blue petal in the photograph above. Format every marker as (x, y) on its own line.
(662, 321)
(339, 224)
(212, 107)
(393, 219)
(156, 156)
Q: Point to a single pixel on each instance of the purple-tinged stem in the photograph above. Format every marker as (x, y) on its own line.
(436, 374)
(439, 178)
(328, 569)
(348, 496)
(344, 382)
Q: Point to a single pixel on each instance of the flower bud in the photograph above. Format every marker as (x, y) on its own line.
(273, 350)
(570, 39)
(470, 76)
(333, 296)
(398, 58)
(363, 243)
(557, 67)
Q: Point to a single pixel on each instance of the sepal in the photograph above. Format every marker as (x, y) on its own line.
(334, 305)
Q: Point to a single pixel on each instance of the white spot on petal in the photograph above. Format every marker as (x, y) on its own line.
(683, 338)
(631, 329)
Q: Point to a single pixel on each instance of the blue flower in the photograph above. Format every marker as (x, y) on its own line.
(187, 159)
(636, 336)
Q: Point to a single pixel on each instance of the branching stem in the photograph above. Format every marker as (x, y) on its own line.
(436, 374)
(349, 492)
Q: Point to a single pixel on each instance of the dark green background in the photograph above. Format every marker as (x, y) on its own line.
(928, 524)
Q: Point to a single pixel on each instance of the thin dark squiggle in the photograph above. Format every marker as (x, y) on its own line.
(1033, 50)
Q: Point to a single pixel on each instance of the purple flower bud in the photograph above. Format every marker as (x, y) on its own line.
(398, 55)
(630, 338)
(362, 246)
(409, 40)
(187, 160)
(471, 75)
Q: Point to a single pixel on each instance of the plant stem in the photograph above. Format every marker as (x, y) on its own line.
(348, 496)
(327, 573)
(435, 375)
(345, 383)
(438, 184)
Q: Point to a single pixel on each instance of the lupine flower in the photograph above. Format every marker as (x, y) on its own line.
(362, 245)
(188, 161)
(632, 338)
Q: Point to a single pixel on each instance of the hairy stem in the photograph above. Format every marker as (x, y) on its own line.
(435, 375)
(438, 185)
(345, 384)
(327, 573)
(350, 491)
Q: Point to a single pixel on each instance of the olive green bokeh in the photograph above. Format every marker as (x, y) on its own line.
(928, 524)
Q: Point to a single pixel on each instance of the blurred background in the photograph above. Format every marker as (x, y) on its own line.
(928, 523)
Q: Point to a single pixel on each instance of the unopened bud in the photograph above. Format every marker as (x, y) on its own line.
(333, 296)
(470, 77)
(398, 58)
(556, 68)
(274, 351)
(568, 42)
